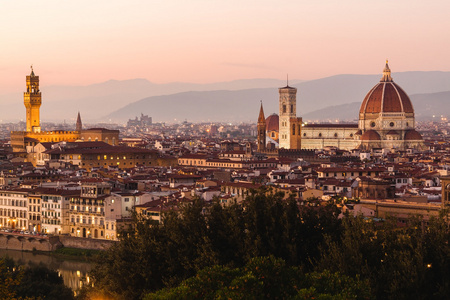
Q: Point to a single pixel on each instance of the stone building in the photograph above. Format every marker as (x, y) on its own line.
(289, 136)
(14, 209)
(24, 141)
(33, 134)
(386, 120)
(87, 211)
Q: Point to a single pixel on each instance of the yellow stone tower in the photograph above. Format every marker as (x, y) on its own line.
(32, 100)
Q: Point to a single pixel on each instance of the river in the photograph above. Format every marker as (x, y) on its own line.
(74, 273)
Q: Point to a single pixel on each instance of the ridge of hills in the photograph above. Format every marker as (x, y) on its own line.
(234, 101)
(325, 95)
(96, 100)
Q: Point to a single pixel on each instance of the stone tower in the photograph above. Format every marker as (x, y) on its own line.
(261, 128)
(79, 126)
(32, 101)
(288, 110)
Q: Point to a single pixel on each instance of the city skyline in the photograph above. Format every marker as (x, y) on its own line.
(87, 42)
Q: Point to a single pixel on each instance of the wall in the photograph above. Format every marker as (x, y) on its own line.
(28, 243)
(85, 243)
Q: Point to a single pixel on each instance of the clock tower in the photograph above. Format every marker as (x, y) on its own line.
(32, 101)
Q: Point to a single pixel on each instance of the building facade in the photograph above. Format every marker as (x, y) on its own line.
(386, 120)
(24, 141)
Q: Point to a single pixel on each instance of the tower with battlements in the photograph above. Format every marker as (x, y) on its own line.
(32, 101)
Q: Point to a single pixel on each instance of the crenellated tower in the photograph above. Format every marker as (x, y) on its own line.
(32, 101)
(261, 128)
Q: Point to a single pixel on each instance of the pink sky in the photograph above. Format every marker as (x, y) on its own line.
(83, 42)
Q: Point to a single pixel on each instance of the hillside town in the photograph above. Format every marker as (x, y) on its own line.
(91, 190)
(65, 180)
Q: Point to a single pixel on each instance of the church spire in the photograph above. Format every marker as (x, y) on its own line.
(386, 73)
(261, 118)
(261, 128)
(79, 125)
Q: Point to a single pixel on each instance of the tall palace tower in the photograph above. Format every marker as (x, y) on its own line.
(32, 101)
(290, 125)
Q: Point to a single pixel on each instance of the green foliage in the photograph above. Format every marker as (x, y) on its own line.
(400, 263)
(41, 282)
(151, 256)
(87, 253)
(264, 278)
(226, 252)
(9, 279)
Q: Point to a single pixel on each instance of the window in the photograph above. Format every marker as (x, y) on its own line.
(284, 108)
(292, 108)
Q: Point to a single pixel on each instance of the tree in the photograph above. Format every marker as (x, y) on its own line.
(400, 263)
(265, 278)
(9, 279)
(41, 282)
(151, 256)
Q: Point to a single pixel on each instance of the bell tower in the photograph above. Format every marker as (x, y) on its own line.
(261, 127)
(288, 110)
(32, 101)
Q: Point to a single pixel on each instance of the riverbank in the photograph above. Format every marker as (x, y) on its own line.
(67, 253)
(21, 242)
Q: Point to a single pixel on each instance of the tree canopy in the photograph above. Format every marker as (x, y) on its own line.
(410, 262)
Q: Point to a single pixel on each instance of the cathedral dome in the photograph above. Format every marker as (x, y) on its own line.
(412, 135)
(370, 135)
(386, 97)
(272, 123)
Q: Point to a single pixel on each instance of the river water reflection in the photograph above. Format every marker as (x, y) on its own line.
(74, 273)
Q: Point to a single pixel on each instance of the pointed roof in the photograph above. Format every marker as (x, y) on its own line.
(261, 118)
(386, 73)
(79, 125)
(32, 72)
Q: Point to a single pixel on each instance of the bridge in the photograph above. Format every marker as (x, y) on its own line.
(27, 242)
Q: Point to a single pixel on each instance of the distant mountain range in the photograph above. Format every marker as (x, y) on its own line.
(331, 98)
(98, 100)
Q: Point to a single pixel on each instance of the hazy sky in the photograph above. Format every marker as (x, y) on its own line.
(84, 42)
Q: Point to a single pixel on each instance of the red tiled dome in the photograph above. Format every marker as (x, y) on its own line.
(272, 123)
(370, 135)
(412, 135)
(386, 96)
